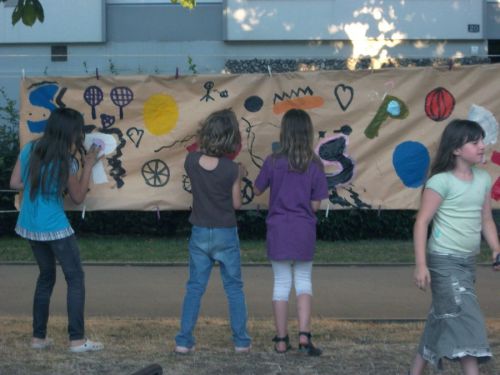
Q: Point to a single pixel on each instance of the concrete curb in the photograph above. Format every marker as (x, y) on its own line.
(185, 264)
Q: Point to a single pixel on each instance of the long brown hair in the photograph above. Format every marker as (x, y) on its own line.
(455, 135)
(49, 162)
(296, 140)
(219, 134)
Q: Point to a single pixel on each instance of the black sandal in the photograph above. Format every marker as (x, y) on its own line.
(309, 348)
(286, 340)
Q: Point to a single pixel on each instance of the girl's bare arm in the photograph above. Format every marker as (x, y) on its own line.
(16, 182)
(79, 186)
(237, 194)
(315, 205)
(242, 172)
(428, 207)
(489, 228)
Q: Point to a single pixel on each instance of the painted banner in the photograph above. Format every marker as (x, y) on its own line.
(376, 131)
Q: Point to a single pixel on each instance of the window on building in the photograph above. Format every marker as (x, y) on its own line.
(494, 50)
(59, 53)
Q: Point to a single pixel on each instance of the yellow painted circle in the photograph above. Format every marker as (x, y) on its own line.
(160, 114)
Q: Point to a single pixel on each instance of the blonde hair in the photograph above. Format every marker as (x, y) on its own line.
(296, 140)
(219, 134)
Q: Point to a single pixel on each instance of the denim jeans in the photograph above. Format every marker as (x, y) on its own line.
(206, 246)
(68, 255)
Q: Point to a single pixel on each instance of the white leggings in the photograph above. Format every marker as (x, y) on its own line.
(283, 278)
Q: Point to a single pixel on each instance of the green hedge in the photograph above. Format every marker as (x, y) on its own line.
(339, 225)
(366, 224)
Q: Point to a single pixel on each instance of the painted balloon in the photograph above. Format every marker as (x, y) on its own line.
(439, 104)
(411, 162)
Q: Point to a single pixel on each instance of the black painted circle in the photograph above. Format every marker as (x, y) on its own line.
(253, 103)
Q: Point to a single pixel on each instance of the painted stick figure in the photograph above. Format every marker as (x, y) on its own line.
(209, 85)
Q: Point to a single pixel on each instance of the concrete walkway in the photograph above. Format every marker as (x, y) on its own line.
(342, 292)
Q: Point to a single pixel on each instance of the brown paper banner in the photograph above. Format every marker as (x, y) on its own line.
(375, 130)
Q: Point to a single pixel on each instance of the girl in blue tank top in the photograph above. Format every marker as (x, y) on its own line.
(45, 169)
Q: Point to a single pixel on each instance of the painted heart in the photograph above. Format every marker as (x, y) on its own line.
(344, 95)
(107, 120)
(135, 135)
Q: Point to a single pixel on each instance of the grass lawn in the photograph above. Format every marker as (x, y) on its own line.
(157, 249)
(357, 348)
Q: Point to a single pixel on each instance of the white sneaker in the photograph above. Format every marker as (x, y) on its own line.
(42, 344)
(243, 349)
(183, 349)
(87, 346)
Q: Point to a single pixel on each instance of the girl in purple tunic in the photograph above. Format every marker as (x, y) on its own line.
(297, 185)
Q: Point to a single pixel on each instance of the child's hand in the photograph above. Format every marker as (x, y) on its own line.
(92, 155)
(422, 277)
(496, 261)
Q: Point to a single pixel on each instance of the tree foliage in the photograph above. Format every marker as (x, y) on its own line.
(190, 4)
(9, 147)
(29, 11)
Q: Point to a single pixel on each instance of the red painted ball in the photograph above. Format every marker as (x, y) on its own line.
(439, 104)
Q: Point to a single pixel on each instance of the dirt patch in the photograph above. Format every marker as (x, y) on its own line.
(349, 348)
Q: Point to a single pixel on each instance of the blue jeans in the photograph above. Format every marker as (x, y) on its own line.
(68, 255)
(206, 246)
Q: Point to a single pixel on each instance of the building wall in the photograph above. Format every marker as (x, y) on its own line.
(492, 19)
(74, 21)
(153, 38)
(348, 20)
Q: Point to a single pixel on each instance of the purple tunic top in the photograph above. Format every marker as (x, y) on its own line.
(291, 222)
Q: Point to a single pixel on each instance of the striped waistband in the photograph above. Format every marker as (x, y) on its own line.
(44, 236)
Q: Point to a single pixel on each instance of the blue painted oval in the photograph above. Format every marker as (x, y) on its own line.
(411, 162)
